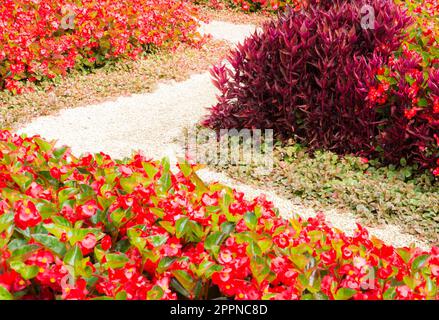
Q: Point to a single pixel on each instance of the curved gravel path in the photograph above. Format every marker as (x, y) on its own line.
(147, 122)
(152, 122)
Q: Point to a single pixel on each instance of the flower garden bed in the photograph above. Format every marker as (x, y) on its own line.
(95, 228)
(91, 227)
(377, 194)
(44, 40)
(120, 78)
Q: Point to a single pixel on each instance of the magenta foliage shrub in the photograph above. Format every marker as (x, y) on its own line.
(307, 75)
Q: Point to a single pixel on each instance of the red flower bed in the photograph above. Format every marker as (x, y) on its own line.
(406, 93)
(45, 38)
(95, 228)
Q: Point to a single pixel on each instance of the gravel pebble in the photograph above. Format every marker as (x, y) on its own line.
(231, 32)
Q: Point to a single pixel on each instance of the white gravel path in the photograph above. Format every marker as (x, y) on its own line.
(147, 122)
(151, 122)
(227, 31)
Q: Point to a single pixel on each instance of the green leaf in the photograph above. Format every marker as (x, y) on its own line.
(207, 268)
(307, 296)
(122, 246)
(253, 249)
(150, 169)
(164, 264)
(185, 168)
(185, 279)
(128, 184)
(197, 289)
(265, 244)
(65, 194)
(51, 243)
(422, 102)
(211, 270)
(213, 242)
(46, 175)
(115, 261)
(195, 231)
(200, 186)
(105, 203)
(61, 221)
(165, 182)
(410, 282)
(26, 271)
(6, 221)
(167, 225)
(389, 294)
(268, 296)
(16, 244)
(227, 228)
(158, 212)
(99, 253)
(46, 209)
(24, 250)
(134, 235)
(260, 268)
(118, 215)
(158, 240)
(166, 164)
(419, 262)
(121, 295)
(181, 227)
(79, 234)
(344, 294)
(44, 145)
(156, 293)
(303, 280)
(409, 79)
(73, 257)
(320, 296)
(431, 288)
(404, 254)
(250, 220)
(55, 230)
(5, 294)
(179, 288)
(299, 260)
(23, 181)
(59, 152)
(102, 298)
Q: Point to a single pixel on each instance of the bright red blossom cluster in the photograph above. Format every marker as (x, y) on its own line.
(95, 228)
(407, 90)
(45, 38)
